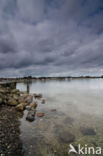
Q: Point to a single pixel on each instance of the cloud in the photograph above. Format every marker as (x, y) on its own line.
(43, 37)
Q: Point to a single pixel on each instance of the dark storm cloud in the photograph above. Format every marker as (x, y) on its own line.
(51, 37)
(6, 46)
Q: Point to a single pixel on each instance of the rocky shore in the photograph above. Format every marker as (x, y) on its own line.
(9, 96)
(12, 104)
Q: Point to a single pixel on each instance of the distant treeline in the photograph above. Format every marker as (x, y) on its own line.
(50, 78)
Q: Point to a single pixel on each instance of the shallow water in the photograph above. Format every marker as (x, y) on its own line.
(78, 103)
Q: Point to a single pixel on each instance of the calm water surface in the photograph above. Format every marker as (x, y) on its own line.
(78, 103)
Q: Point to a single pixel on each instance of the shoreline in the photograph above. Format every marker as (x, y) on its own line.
(26, 79)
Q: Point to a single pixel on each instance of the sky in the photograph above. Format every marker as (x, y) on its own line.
(51, 37)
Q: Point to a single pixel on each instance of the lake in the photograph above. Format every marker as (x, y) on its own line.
(73, 115)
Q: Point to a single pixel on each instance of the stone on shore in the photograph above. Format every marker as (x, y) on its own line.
(29, 99)
(12, 102)
(16, 97)
(28, 108)
(33, 105)
(15, 91)
(21, 99)
(20, 107)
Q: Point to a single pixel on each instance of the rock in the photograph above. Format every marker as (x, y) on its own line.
(1, 101)
(25, 104)
(53, 110)
(87, 131)
(38, 96)
(15, 91)
(23, 97)
(40, 114)
(33, 104)
(2, 91)
(29, 99)
(31, 115)
(43, 101)
(1, 95)
(20, 107)
(16, 97)
(66, 137)
(12, 102)
(28, 108)
(4, 99)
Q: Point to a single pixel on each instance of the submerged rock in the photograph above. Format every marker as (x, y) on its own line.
(44, 126)
(38, 96)
(66, 137)
(58, 128)
(53, 110)
(40, 114)
(87, 131)
(43, 101)
(68, 120)
(31, 115)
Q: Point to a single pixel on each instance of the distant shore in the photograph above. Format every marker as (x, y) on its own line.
(49, 78)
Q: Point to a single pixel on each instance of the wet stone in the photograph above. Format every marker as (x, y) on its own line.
(20, 107)
(28, 108)
(43, 101)
(43, 126)
(38, 96)
(29, 99)
(87, 131)
(31, 115)
(40, 114)
(53, 110)
(33, 104)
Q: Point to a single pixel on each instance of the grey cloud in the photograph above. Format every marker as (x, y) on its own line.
(44, 37)
(6, 46)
